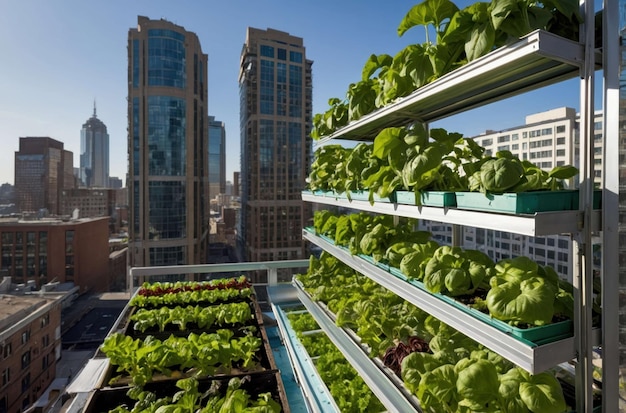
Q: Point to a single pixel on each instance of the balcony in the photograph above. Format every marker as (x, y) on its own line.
(91, 382)
(292, 372)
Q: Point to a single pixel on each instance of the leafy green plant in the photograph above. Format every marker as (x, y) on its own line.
(203, 317)
(454, 271)
(523, 292)
(197, 354)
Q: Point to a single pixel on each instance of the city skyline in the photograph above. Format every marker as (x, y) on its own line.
(50, 59)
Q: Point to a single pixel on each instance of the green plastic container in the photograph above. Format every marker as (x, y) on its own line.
(364, 196)
(538, 335)
(428, 198)
(518, 203)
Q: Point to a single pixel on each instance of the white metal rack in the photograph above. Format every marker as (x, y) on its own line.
(537, 60)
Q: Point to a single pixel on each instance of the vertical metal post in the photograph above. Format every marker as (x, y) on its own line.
(610, 206)
(272, 276)
(584, 279)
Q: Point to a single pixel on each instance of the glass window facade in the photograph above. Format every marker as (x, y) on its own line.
(168, 210)
(166, 135)
(267, 87)
(295, 57)
(167, 256)
(136, 70)
(295, 91)
(135, 121)
(281, 89)
(166, 58)
(267, 51)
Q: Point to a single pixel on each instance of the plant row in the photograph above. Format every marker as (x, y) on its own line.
(196, 355)
(190, 292)
(348, 389)
(460, 36)
(517, 291)
(452, 373)
(190, 398)
(201, 317)
(414, 159)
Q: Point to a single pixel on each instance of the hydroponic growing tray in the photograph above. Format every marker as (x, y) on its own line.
(428, 198)
(518, 203)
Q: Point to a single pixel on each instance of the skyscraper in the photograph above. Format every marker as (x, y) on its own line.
(42, 170)
(217, 157)
(275, 114)
(167, 134)
(94, 153)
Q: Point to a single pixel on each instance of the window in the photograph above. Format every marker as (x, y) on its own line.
(515, 136)
(45, 340)
(25, 336)
(560, 141)
(26, 383)
(45, 320)
(504, 138)
(295, 57)
(6, 376)
(267, 51)
(560, 129)
(282, 54)
(560, 152)
(6, 351)
(25, 359)
(487, 142)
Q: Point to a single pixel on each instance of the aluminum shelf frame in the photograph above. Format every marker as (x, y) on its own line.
(317, 394)
(534, 359)
(391, 396)
(538, 224)
(536, 60)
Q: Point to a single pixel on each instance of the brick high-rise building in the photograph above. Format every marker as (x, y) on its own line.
(167, 135)
(42, 170)
(276, 104)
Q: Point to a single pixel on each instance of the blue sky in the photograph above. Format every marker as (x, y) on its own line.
(57, 57)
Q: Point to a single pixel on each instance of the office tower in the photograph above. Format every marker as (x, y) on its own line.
(275, 115)
(42, 170)
(217, 157)
(94, 153)
(167, 134)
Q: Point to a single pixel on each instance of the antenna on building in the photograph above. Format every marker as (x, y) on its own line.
(94, 108)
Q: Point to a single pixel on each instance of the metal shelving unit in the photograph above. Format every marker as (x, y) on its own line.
(528, 356)
(538, 224)
(393, 397)
(537, 60)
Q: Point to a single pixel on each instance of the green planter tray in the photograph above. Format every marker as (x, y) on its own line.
(518, 203)
(536, 335)
(428, 198)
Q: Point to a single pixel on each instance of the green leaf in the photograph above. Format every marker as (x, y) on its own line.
(428, 12)
(542, 393)
(477, 382)
(481, 41)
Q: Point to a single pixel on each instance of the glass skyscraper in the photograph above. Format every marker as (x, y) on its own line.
(217, 157)
(94, 153)
(275, 121)
(167, 134)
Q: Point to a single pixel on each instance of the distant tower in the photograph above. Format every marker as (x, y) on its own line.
(217, 157)
(167, 145)
(43, 169)
(275, 114)
(94, 153)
